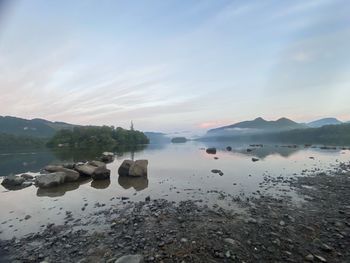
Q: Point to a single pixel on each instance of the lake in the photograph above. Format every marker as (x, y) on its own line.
(175, 172)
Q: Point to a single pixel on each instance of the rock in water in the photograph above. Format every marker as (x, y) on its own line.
(107, 157)
(130, 259)
(124, 167)
(27, 176)
(97, 164)
(50, 180)
(12, 180)
(139, 168)
(229, 148)
(101, 173)
(255, 159)
(211, 150)
(71, 175)
(85, 169)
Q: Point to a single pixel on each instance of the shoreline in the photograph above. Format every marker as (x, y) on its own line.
(270, 229)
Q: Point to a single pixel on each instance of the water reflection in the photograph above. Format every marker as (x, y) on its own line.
(61, 190)
(100, 184)
(138, 183)
(33, 161)
(260, 152)
(21, 162)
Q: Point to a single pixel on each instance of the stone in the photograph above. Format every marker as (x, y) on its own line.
(320, 258)
(12, 180)
(138, 168)
(229, 148)
(71, 175)
(130, 259)
(27, 217)
(255, 159)
(50, 180)
(326, 248)
(85, 169)
(124, 167)
(235, 244)
(27, 176)
(107, 157)
(211, 150)
(309, 258)
(97, 164)
(101, 173)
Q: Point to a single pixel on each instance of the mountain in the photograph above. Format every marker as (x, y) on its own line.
(259, 125)
(323, 122)
(38, 128)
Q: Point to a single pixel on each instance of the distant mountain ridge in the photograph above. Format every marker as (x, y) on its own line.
(323, 122)
(38, 128)
(258, 125)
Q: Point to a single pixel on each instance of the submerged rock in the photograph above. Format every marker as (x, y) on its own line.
(50, 180)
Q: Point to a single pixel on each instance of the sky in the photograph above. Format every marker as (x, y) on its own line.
(174, 65)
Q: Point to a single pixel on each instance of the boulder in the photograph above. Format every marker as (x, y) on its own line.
(27, 176)
(71, 175)
(85, 169)
(255, 159)
(130, 259)
(107, 157)
(101, 173)
(138, 168)
(229, 148)
(50, 180)
(97, 164)
(12, 180)
(211, 150)
(124, 167)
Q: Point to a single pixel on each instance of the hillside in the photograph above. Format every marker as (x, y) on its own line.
(38, 128)
(323, 122)
(259, 125)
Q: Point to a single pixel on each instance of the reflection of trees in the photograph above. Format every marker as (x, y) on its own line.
(260, 152)
(138, 183)
(85, 154)
(21, 162)
(60, 190)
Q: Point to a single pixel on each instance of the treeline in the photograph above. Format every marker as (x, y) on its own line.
(329, 134)
(9, 141)
(94, 136)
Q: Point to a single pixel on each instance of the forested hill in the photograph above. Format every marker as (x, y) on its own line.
(38, 128)
(96, 136)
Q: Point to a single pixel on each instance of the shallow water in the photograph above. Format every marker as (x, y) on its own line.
(175, 172)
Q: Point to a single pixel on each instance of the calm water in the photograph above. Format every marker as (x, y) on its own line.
(175, 172)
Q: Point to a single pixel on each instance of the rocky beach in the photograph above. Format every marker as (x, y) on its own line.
(261, 227)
